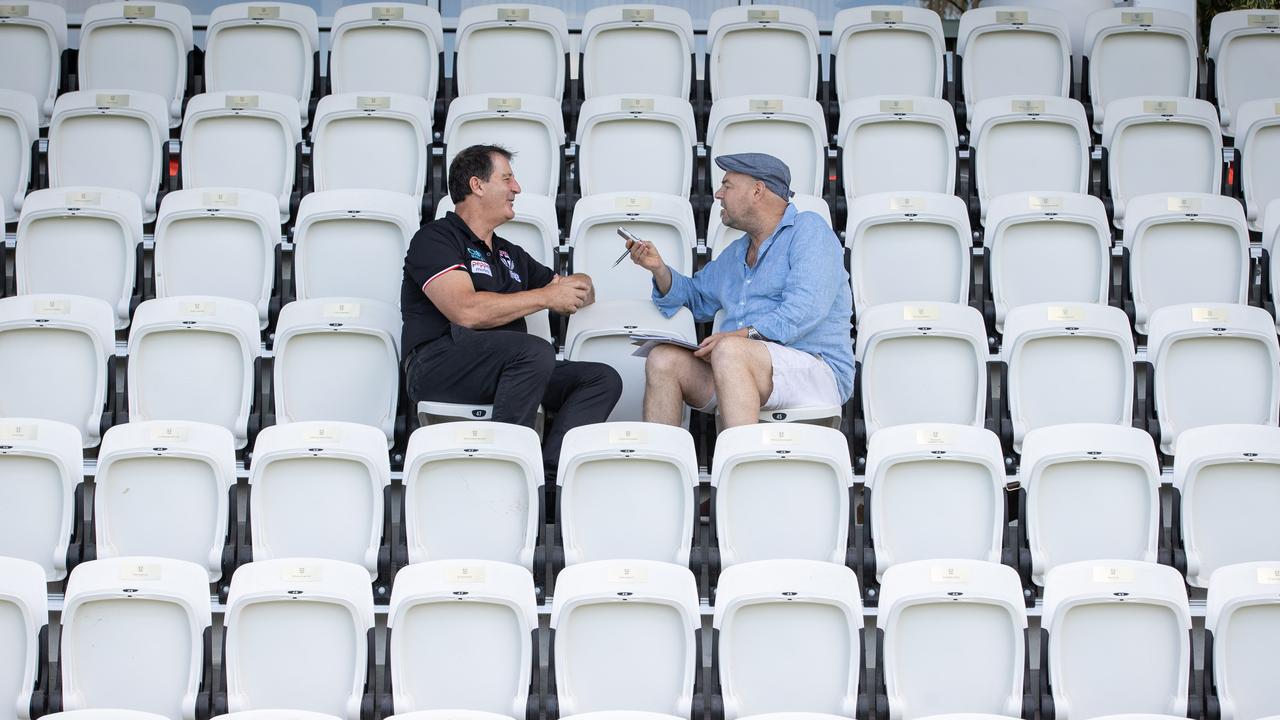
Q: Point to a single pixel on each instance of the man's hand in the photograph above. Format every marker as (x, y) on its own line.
(645, 255)
(566, 295)
(704, 349)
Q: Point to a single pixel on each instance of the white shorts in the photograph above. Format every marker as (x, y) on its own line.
(799, 380)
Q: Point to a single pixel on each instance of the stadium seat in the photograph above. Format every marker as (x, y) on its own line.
(602, 333)
(627, 490)
(1115, 637)
(462, 634)
(58, 352)
(81, 240)
(637, 50)
(192, 357)
(23, 636)
(263, 715)
(372, 141)
(42, 463)
(1258, 139)
(1076, 14)
(952, 638)
(104, 714)
(242, 141)
(598, 715)
(372, 44)
(508, 49)
(473, 490)
(897, 144)
(625, 635)
(1213, 364)
(142, 48)
(1067, 363)
(781, 490)
(1182, 248)
(922, 363)
(792, 128)
(1038, 143)
(1092, 492)
(298, 633)
(720, 237)
(666, 221)
(19, 128)
(1019, 52)
(37, 33)
(317, 492)
(908, 248)
(164, 489)
(621, 136)
(263, 48)
(1241, 42)
(1136, 52)
(352, 243)
(220, 242)
(534, 228)
(887, 50)
(1047, 248)
(141, 646)
(1270, 237)
(763, 50)
(1161, 145)
(1225, 476)
(1241, 626)
(111, 140)
(528, 125)
(788, 636)
(338, 359)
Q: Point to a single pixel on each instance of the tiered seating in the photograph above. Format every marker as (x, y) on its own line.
(142, 48)
(42, 463)
(263, 48)
(762, 50)
(1017, 52)
(613, 38)
(372, 44)
(532, 40)
(1139, 53)
(620, 135)
(901, 144)
(880, 51)
(37, 33)
(371, 141)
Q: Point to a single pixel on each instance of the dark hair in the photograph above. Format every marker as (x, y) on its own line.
(475, 161)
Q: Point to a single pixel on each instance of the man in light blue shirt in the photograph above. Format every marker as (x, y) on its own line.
(784, 335)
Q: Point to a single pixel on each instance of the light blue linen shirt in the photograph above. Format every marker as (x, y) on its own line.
(797, 294)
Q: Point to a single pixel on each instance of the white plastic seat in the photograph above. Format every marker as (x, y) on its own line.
(220, 242)
(1068, 363)
(1241, 615)
(613, 37)
(1240, 42)
(1161, 145)
(110, 139)
(81, 240)
(25, 614)
(338, 359)
(601, 332)
(35, 35)
(790, 637)
(241, 141)
(535, 227)
(666, 221)
(372, 44)
(1038, 143)
(598, 715)
(528, 125)
(953, 638)
(625, 637)
(1139, 52)
(908, 248)
(1047, 248)
(317, 491)
(462, 634)
(718, 235)
(372, 141)
(1214, 364)
(352, 243)
(104, 714)
(509, 49)
(1118, 634)
(1187, 247)
(627, 490)
(262, 48)
(1270, 236)
(162, 489)
(444, 715)
(1257, 128)
(41, 462)
(55, 350)
(792, 128)
(620, 137)
(1227, 478)
(763, 50)
(137, 47)
(140, 647)
(1075, 13)
(781, 491)
(887, 49)
(922, 362)
(297, 635)
(473, 490)
(897, 144)
(192, 357)
(267, 715)
(1021, 52)
(19, 128)
(1092, 493)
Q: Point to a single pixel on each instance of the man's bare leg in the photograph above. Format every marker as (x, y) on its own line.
(674, 378)
(743, 371)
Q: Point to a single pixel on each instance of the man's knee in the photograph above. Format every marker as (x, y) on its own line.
(610, 381)
(535, 353)
(665, 362)
(732, 352)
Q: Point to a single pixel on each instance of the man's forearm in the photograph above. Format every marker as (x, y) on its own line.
(491, 309)
(662, 279)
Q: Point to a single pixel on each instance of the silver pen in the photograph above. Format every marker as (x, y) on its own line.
(626, 235)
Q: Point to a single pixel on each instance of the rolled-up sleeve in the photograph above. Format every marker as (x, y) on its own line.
(815, 272)
(694, 293)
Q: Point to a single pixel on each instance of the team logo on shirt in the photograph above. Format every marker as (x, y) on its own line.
(481, 267)
(475, 253)
(506, 260)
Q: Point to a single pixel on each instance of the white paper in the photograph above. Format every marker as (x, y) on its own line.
(648, 342)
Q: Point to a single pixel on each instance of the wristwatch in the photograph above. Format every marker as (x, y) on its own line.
(754, 334)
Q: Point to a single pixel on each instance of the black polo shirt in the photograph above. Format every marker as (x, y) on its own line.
(448, 245)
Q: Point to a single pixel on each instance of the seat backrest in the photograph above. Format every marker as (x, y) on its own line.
(535, 227)
(263, 48)
(1239, 42)
(1075, 14)
(34, 33)
(372, 141)
(1092, 493)
(42, 463)
(19, 128)
(162, 489)
(1243, 615)
(1023, 51)
(530, 126)
(510, 49)
(1039, 143)
(270, 715)
(24, 619)
(137, 47)
(619, 135)
(104, 714)
(664, 220)
(885, 50)
(1258, 137)
(720, 236)
(352, 243)
(373, 43)
(897, 144)
(133, 635)
(763, 50)
(613, 40)
(1270, 235)
(794, 130)
(1139, 52)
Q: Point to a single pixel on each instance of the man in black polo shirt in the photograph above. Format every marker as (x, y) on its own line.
(464, 297)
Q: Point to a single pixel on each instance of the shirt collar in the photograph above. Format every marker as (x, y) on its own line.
(788, 219)
(474, 239)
